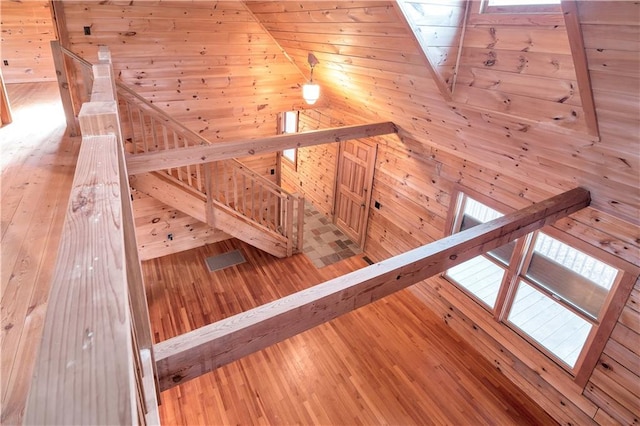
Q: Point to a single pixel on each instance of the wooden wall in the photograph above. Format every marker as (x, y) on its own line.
(211, 65)
(27, 29)
(369, 72)
(208, 64)
(155, 221)
(520, 66)
(438, 27)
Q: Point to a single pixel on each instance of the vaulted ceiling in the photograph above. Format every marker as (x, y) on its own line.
(516, 109)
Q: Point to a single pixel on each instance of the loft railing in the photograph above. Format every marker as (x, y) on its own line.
(228, 185)
(96, 363)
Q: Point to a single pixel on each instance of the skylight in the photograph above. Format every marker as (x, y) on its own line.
(520, 2)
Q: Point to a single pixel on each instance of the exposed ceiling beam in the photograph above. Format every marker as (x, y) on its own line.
(161, 160)
(578, 52)
(190, 355)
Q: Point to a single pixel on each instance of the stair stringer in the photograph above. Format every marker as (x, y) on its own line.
(194, 203)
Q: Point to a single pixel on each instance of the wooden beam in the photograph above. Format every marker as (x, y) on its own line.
(579, 54)
(429, 57)
(161, 160)
(195, 353)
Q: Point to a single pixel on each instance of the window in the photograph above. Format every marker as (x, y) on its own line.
(554, 295)
(289, 124)
(560, 294)
(520, 2)
(481, 276)
(521, 6)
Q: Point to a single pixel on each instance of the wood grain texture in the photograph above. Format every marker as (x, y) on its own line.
(87, 312)
(37, 166)
(27, 29)
(228, 63)
(390, 362)
(190, 355)
(179, 157)
(155, 220)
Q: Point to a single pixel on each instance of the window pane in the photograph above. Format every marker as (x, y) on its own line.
(476, 213)
(552, 325)
(521, 2)
(589, 267)
(290, 154)
(480, 276)
(570, 274)
(479, 211)
(290, 122)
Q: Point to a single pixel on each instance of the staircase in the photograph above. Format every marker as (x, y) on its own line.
(224, 194)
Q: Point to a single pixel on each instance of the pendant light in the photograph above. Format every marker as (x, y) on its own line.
(310, 90)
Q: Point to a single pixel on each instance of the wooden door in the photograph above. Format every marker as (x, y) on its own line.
(356, 163)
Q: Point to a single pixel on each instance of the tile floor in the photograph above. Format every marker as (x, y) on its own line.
(324, 243)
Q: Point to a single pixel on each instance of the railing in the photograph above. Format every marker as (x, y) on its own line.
(96, 364)
(231, 186)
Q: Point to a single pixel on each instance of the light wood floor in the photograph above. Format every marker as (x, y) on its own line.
(393, 362)
(37, 164)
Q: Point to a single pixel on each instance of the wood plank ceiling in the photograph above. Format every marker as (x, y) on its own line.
(370, 68)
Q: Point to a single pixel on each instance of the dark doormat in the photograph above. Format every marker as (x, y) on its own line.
(224, 260)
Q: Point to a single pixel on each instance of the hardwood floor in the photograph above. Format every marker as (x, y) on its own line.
(37, 164)
(392, 362)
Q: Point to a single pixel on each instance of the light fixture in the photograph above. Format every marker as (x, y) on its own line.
(310, 90)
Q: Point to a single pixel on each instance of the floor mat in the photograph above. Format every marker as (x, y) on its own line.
(224, 260)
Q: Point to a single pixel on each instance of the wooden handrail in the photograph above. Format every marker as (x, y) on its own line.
(161, 160)
(95, 364)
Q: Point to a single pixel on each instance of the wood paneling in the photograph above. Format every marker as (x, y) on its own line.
(514, 162)
(615, 382)
(209, 64)
(155, 221)
(390, 362)
(27, 29)
(553, 160)
(368, 72)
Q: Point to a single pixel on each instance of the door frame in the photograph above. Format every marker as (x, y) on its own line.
(368, 189)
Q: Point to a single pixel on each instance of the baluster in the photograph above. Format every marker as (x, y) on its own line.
(154, 133)
(289, 223)
(131, 127)
(300, 242)
(144, 133)
(253, 196)
(214, 180)
(165, 136)
(269, 222)
(199, 177)
(189, 176)
(261, 205)
(244, 195)
(235, 189)
(176, 144)
(225, 183)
